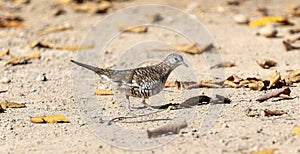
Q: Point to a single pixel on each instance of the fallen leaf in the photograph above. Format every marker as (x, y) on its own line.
(4, 52)
(265, 151)
(60, 118)
(293, 77)
(5, 105)
(173, 84)
(255, 85)
(209, 84)
(103, 92)
(169, 128)
(11, 22)
(93, 8)
(288, 46)
(196, 100)
(193, 48)
(134, 29)
(233, 81)
(42, 44)
(21, 2)
(23, 59)
(56, 29)
(274, 78)
(296, 130)
(268, 19)
(266, 64)
(269, 113)
(274, 93)
(224, 64)
(64, 2)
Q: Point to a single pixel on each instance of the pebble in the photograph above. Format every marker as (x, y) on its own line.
(5, 80)
(268, 31)
(41, 77)
(240, 19)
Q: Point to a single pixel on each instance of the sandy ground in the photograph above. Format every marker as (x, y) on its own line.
(232, 132)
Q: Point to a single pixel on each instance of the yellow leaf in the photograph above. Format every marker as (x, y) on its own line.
(103, 92)
(56, 29)
(4, 52)
(265, 20)
(296, 130)
(5, 105)
(60, 118)
(265, 151)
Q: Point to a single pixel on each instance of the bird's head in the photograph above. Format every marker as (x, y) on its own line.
(173, 60)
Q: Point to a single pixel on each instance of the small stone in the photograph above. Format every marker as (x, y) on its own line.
(5, 80)
(41, 77)
(240, 19)
(268, 31)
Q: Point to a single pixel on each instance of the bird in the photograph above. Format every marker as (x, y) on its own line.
(141, 82)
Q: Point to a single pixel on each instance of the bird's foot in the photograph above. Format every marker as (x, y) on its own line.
(147, 106)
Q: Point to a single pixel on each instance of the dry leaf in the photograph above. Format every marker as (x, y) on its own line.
(266, 63)
(103, 92)
(293, 77)
(268, 19)
(233, 81)
(193, 48)
(42, 44)
(93, 8)
(288, 46)
(269, 113)
(5, 105)
(224, 64)
(23, 59)
(4, 52)
(209, 84)
(64, 2)
(265, 151)
(50, 119)
(275, 93)
(56, 29)
(169, 128)
(11, 22)
(173, 84)
(255, 85)
(296, 130)
(197, 100)
(274, 78)
(134, 29)
(21, 2)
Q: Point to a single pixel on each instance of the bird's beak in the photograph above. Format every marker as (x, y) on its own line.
(186, 65)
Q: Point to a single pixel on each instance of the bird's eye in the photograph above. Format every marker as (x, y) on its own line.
(176, 58)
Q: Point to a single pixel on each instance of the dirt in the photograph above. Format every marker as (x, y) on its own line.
(232, 131)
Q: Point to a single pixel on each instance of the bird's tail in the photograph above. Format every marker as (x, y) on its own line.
(97, 70)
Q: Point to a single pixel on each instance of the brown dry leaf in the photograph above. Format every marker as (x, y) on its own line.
(169, 128)
(255, 85)
(266, 151)
(288, 46)
(266, 63)
(55, 29)
(21, 2)
(296, 130)
(93, 8)
(4, 52)
(293, 77)
(64, 2)
(23, 59)
(11, 22)
(233, 81)
(103, 92)
(173, 84)
(224, 64)
(5, 105)
(193, 48)
(42, 44)
(269, 113)
(134, 29)
(60, 118)
(275, 93)
(209, 84)
(274, 78)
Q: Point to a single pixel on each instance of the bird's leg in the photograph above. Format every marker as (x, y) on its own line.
(146, 105)
(127, 106)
